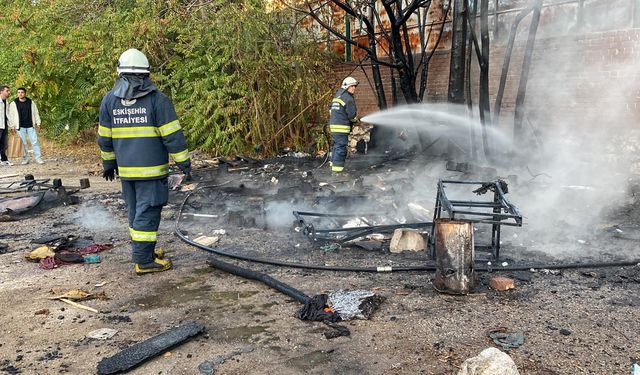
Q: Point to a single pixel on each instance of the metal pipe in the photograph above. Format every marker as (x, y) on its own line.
(506, 216)
(378, 227)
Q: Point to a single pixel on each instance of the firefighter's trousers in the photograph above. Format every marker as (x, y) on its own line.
(339, 151)
(144, 201)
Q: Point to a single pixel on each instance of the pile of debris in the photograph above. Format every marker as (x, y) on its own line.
(55, 251)
(33, 195)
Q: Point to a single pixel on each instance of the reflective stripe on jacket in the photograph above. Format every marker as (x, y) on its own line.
(137, 136)
(343, 112)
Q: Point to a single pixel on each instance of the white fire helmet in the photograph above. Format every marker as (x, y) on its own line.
(133, 61)
(349, 81)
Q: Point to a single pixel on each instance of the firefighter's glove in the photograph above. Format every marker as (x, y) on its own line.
(110, 174)
(187, 173)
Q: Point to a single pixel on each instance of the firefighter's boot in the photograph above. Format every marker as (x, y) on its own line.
(158, 265)
(158, 252)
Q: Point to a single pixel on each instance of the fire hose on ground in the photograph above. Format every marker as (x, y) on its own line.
(428, 267)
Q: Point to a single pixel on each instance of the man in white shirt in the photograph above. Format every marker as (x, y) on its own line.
(4, 125)
(23, 114)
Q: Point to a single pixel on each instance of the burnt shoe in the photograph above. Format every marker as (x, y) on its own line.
(158, 265)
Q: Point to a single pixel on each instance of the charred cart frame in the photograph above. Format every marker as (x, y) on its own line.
(502, 211)
(496, 212)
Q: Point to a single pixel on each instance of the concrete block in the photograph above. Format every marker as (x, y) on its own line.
(405, 239)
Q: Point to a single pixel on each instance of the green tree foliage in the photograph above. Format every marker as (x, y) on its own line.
(239, 74)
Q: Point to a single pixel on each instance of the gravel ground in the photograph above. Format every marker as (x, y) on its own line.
(581, 321)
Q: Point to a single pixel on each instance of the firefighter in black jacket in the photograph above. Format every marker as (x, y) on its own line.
(343, 115)
(138, 131)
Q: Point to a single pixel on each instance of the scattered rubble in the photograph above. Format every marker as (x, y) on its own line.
(490, 361)
(102, 333)
(405, 239)
(505, 339)
(212, 212)
(35, 195)
(501, 283)
(209, 367)
(206, 240)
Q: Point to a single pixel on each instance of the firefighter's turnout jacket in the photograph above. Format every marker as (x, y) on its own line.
(138, 135)
(343, 112)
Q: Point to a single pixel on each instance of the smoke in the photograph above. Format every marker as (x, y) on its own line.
(580, 153)
(574, 161)
(279, 214)
(575, 178)
(94, 218)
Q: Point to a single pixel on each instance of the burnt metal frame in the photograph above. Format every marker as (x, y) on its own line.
(24, 185)
(503, 212)
(342, 235)
(30, 184)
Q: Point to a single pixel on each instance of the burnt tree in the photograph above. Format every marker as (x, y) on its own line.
(482, 55)
(535, 9)
(384, 28)
(458, 46)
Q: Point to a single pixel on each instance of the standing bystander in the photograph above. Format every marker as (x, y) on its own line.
(23, 114)
(4, 125)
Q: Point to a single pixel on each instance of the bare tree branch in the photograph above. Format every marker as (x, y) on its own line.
(424, 62)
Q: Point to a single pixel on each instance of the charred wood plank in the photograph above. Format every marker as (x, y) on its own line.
(145, 350)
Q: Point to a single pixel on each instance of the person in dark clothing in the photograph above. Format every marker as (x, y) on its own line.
(23, 115)
(138, 131)
(343, 115)
(4, 125)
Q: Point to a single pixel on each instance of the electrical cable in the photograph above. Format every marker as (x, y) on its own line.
(410, 268)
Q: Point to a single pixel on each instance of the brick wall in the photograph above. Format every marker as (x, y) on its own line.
(592, 78)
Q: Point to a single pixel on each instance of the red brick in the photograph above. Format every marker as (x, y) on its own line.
(502, 283)
(578, 62)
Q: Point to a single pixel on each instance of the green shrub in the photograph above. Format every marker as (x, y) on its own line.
(239, 76)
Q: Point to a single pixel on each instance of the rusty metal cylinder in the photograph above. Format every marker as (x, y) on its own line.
(454, 248)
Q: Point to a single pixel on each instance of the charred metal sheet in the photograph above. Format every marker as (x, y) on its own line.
(13, 208)
(20, 204)
(142, 351)
(455, 261)
(340, 234)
